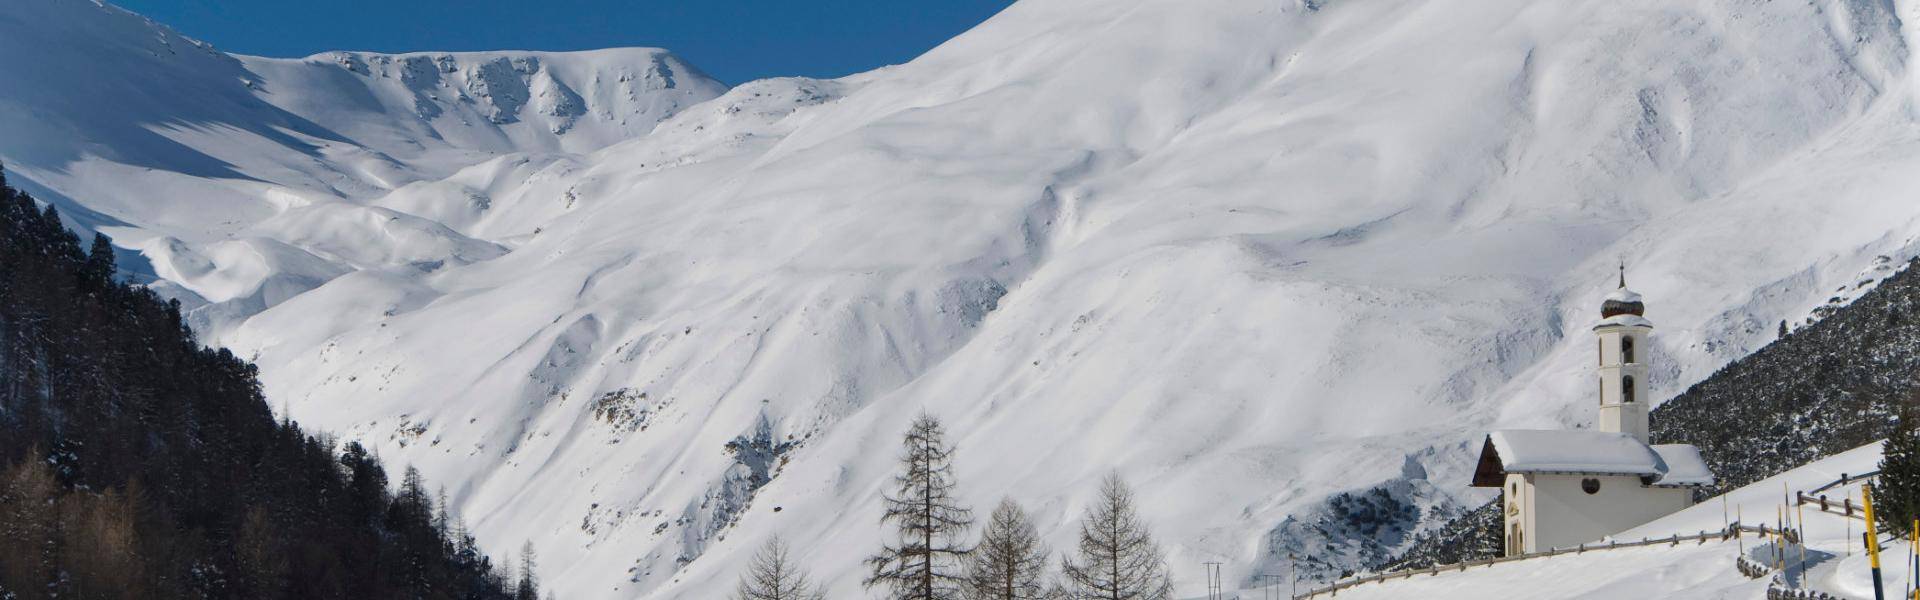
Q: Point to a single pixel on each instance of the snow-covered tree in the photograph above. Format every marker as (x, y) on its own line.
(924, 563)
(1010, 562)
(773, 576)
(1118, 558)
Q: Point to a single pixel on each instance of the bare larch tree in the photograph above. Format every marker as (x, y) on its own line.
(924, 563)
(1010, 562)
(772, 576)
(1118, 558)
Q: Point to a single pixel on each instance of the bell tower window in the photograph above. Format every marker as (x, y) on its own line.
(1626, 389)
(1626, 349)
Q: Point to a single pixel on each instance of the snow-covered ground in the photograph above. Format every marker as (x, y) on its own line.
(1688, 571)
(1248, 253)
(1837, 563)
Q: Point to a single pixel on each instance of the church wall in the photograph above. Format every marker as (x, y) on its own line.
(1573, 517)
(1519, 497)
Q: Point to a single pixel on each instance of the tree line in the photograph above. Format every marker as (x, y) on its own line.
(136, 463)
(932, 557)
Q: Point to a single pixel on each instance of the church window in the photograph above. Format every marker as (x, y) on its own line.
(1626, 389)
(1590, 485)
(1626, 349)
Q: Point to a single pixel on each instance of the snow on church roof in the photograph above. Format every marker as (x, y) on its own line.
(1631, 320)
(1684, 465)
(1623, 295)
(1588, 452)
(1575, 451)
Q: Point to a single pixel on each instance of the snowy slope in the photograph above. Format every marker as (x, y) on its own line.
(1690, 569)
(1249, 253)
(1685, 572)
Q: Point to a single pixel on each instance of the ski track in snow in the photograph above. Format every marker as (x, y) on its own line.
(1248, 253)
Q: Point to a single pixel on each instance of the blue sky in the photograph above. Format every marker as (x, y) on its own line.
(733, 40)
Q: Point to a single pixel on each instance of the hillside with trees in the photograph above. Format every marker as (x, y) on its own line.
(1827, 387)
(136, 463)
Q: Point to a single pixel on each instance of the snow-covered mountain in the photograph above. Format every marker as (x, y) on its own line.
(246, 181)
(1248, 253)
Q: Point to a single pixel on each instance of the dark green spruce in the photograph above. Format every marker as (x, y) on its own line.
(136, 463)
(1896, 494)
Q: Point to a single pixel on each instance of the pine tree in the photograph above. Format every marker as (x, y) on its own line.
(440, 516)
(772, 576)
(99, 267)
(1118, 558)
(924, 564)
(528, 586)
(1010, 562)
(366, 484)
(1896, 493)
(1783, 329)
(164, 473)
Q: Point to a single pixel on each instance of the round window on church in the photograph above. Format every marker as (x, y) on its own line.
(1590, 485)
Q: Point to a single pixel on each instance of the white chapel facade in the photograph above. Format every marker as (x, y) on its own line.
(1562, 488)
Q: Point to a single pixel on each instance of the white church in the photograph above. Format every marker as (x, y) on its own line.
(1569, 487)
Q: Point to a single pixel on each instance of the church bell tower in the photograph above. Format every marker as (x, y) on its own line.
(1622, 345)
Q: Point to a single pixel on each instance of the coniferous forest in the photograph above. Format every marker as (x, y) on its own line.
(135, 463)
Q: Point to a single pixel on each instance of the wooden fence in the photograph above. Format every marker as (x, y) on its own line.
(1846, 479)
(1702, 537)
(1776, 591)
(1845, 507)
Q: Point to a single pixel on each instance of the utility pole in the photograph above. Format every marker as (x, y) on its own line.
(1294, 569)
(1213, 580)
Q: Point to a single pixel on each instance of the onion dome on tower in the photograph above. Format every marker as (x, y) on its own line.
(1622, 301)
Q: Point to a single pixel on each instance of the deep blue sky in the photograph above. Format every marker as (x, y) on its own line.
(733, 40)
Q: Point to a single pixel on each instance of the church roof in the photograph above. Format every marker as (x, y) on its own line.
(1627, 319)
(1587, 452)
(1684, 466)
(1622, 302)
